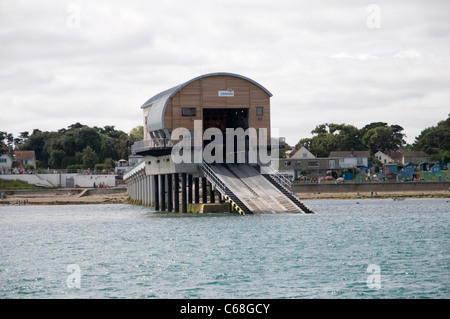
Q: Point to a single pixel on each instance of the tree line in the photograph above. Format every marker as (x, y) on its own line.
(378, 136)
(77, 146)
(81, 146)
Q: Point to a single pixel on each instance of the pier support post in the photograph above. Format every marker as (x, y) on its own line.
(196, 190)
(169, 193)
(204, 191)
(155, 191)
(144, 184)
(183, 193)
(163, 191)
(189, 188)
(151, 197)
(176, 192)
(211, 194)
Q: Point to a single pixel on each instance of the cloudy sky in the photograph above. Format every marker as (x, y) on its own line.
(353, 62)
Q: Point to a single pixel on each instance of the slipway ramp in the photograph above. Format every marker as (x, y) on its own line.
(253, 192)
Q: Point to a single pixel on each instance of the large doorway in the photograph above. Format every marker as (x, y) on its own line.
(225, 118)
(222, 119)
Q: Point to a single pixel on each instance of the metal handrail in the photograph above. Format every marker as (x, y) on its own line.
(156, 143)
(219, 184)
(210, 173)
(279, 177)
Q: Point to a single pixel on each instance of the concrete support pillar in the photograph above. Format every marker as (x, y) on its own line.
(141, 188)
(176, 192)
(155, 191)
(163, 191)
(183, 193)
(137, 188)
(211, 194)
(189, 189)
(196, 190)
(149, 190)
(204, 191)
(169, 193)
(144, 188)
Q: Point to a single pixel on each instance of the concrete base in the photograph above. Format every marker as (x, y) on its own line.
(208, 208)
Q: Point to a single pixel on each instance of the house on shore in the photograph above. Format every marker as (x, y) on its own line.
(27, 158)
(350, 159)
(389, 157)
(415, 157)
(6, 160)
(17, 159)
(302, 162)
(398, 157)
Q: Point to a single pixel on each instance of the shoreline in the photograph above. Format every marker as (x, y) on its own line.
(89, 196)
(80, 196)
(375, 195)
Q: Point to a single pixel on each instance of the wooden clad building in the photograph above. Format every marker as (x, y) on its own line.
(222, 100)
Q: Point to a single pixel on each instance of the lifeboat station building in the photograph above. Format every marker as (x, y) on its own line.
(207, 147)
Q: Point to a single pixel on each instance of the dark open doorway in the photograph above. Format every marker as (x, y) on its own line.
(225, 118)
(222, 119)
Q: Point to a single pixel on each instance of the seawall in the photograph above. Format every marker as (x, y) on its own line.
(63, 180)
(388, 187)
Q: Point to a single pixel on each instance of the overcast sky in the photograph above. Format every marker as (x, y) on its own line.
(353, 62)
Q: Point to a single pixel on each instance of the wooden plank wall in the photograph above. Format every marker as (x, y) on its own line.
(203, 93)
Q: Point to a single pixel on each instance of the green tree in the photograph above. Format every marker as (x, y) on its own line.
(2, 143)
(137, 132)
(89, 158)
(383, 138)
(434, 139)
(445, 157)
(109, 163)
(332, 137)
(56, 158)
(108, 148)
(66, 146)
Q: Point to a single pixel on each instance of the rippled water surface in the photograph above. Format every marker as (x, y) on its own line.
(125, 251)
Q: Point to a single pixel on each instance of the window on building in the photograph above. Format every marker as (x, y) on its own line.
(305, 155)
(189, 111)
(313, 163)
(297, 163)
(332, 164)
(259, 111)
(359, 161)
(2, 160)
(287, 163)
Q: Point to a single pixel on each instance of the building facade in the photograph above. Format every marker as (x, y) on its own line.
(210, 139)
(217, 100)
(350, 159)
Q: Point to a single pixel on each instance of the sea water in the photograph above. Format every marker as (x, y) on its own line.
(349, 249)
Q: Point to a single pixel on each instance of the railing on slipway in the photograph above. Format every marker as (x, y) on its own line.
(223, 189)
(285, 183)
(281, 179)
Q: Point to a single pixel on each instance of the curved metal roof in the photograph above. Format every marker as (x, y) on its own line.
(158, 103)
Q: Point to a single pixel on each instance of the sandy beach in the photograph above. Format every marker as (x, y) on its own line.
(118, 196)
(65, 197)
